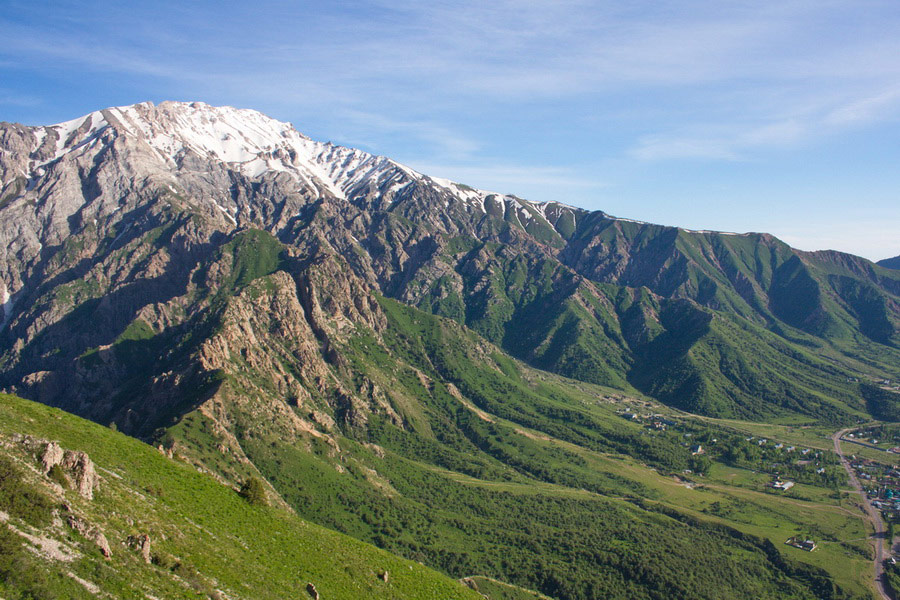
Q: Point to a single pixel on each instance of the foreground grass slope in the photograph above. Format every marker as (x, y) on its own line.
(206, 540)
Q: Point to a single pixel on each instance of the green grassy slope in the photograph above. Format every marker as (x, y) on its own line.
(726, 325)
(204, 536)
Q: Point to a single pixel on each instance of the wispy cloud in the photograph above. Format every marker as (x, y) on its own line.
(657, 147)
(870, 108)
(731, 145)
(502, 176)
(738, 141)
(8, 98)
(443, 140)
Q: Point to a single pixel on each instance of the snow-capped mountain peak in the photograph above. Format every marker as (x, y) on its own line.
(255, 145)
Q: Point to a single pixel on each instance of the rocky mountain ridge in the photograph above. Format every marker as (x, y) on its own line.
(122, 214)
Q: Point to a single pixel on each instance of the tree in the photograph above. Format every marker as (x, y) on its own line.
(254, 492)
(699, 464)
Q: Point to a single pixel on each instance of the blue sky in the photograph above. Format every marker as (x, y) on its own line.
(779, 116)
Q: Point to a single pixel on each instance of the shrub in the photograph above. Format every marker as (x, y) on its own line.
(254, 492)
(57, 474)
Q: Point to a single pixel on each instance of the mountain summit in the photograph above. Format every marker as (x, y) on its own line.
(890, 263)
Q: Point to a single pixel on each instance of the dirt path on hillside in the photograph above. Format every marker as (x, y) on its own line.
(881, 583)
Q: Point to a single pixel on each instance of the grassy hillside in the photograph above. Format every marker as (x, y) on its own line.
(206, 540)
(727, 326)
(453, 454)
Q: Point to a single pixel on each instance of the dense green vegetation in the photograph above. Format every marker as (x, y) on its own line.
(883, 404)
(563, 547)
(892, 573)
(204, 536)
(493, 473)
(254, 492)
(252, 254)
(750, 335)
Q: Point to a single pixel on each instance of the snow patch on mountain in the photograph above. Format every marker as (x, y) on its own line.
(70, 135)
(711, 232)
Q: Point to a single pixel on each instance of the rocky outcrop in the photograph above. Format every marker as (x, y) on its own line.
(76, 465)
(79, 465)
(91, 533)
(53, 455)
(140, 543)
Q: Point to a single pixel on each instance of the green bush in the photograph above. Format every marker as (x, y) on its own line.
(254, 492)
(57, 474)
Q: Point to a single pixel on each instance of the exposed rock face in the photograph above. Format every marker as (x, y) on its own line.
(80, 466)
(145, 548)
(141, 543)
(311, 590)
(91, 533)
(77, 465)
(53, 455)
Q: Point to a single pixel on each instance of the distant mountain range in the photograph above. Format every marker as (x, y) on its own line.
(890, 263)
(122, 222)
(211, 280)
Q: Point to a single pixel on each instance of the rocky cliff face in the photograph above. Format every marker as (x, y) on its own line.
(151, 254)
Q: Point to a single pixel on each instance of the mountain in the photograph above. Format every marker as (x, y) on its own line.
(119, 218)
(890, 263)
(435, 369)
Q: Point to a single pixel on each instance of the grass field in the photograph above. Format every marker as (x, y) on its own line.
(204, 535)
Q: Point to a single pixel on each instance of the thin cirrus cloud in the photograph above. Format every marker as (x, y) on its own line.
(739, 143)
(504, 178)
(370, 126)
(733, 145)
(442, 54)
(871, 108)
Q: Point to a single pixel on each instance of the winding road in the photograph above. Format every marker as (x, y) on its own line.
(874, 517)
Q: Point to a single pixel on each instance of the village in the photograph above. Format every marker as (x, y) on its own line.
(880, 481)
(787, 464)
(877, 477)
